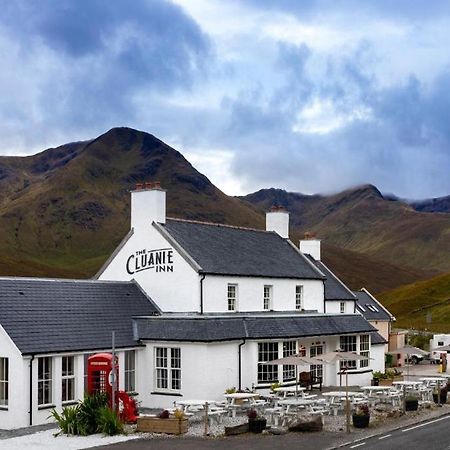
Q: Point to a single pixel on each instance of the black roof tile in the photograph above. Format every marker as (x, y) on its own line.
(369, 308)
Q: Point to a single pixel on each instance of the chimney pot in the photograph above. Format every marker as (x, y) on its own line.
(149, 185)
(139, 186)
(157, 185)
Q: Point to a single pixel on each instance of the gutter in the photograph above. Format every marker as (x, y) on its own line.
(201, 293)
(30, 412)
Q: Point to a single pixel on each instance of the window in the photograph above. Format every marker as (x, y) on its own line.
(44, 381)
(361, 308)
(68, 379)
(299, 297)
(4, 378)
(348, 344)
(267, 304)
(267, 351)
(232, 297)
(342, 307)
(364, 347)
(289, 348)
(440, 343)
(130, 371)
(168, 368)
(316, 349)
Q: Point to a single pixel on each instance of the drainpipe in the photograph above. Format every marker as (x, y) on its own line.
(324, 301)
(201, 293)
(240, 363)
(31, 390)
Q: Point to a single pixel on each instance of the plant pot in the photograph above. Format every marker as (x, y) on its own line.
(256, 425)
(361, 421)
(375, 382)
(411, 405)
(156, 425)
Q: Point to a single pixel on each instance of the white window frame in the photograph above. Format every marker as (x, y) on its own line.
(267, 297)
(299, 290)
(348, 343)
(129, 372)
(267, 351)
(4, 382)
(342, 307)
(289, 349)
(316, 349)
(68, 378)
(45, 381)
(169, 370)
(232, 297)
(364, 350)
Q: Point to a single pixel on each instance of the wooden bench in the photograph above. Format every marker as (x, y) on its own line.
(308, 380)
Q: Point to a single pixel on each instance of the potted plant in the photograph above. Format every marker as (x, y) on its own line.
(411, 403)
(274, 386)
(361, 416)
(376, 376)
(256, 423)
(164, 423)
(440, 397)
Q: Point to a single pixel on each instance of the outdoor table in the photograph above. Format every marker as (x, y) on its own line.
(371, 389)
(289, 389)
(187, 404)
(340, 394)
(231, 400)
(434, 380)
(296, 402)
(413, 384)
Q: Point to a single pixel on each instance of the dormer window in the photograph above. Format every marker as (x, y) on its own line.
(232, 297)
(267, 301)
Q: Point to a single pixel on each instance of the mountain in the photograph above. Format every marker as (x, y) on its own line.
(440, 204)
(363, 221)
(64, 210)
(415, 303)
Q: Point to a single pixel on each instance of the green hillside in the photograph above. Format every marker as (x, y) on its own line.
(414, 303)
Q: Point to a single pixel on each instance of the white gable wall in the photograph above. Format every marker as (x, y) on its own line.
(177, 290)
(250, 293)
(334, 306)
(16, 415)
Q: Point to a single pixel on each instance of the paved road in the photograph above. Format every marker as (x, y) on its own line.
(314, 441)
(431, 435)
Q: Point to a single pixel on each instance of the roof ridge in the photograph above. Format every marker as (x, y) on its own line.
(237, 227)
(65, 280)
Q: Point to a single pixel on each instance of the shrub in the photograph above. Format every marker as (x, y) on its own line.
(231, 390)
(68, 421)
(252, 414)
(108, 422)
(179, 414)
(362, 410)
(164, 414)
(89, 411)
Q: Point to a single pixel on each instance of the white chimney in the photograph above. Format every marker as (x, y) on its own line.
(277, 219)
(148, 204)
(310, 245)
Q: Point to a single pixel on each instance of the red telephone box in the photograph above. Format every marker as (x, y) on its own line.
(100, 373)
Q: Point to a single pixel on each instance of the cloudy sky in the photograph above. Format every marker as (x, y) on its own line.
(310, 96)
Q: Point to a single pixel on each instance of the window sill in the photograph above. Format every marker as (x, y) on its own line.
(69, 402)
(170, 394)
(46, 407)
(3, 408)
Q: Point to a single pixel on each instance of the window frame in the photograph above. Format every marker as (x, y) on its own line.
(267, 297)
(267, 373)
(232, 300)
(4, 382)
(348, 343)
(299, 293)
(129, 371)
(170, 369)
(364, 350)
(289, 349)
(342, 307)
(68, 379)
(45, 384)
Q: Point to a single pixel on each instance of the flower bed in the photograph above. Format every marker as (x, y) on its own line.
(156, 425)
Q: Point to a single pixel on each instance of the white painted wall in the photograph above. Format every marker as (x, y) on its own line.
(251, 291)
(172, 291)
(16, 415)
(334, 306)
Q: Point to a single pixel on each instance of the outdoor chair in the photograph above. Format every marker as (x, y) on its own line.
(308, 380)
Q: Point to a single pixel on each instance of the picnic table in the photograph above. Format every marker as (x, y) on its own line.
(189, 405)
(248, 398)
(430, 381)
(285, 390)
(296, 403)
(371, 389)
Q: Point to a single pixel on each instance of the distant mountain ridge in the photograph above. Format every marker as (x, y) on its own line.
(63, 211)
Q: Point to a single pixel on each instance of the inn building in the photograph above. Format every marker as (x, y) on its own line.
(196, 307)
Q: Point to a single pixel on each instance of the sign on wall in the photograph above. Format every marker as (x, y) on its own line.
(160, 260)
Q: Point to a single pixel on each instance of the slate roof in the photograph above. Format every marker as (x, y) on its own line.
(213, 329)
(369, 308)
(335, 289)
(376, 339)
(226, 250)
(46, 316)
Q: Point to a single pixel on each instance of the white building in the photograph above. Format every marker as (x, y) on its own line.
(197, 308)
